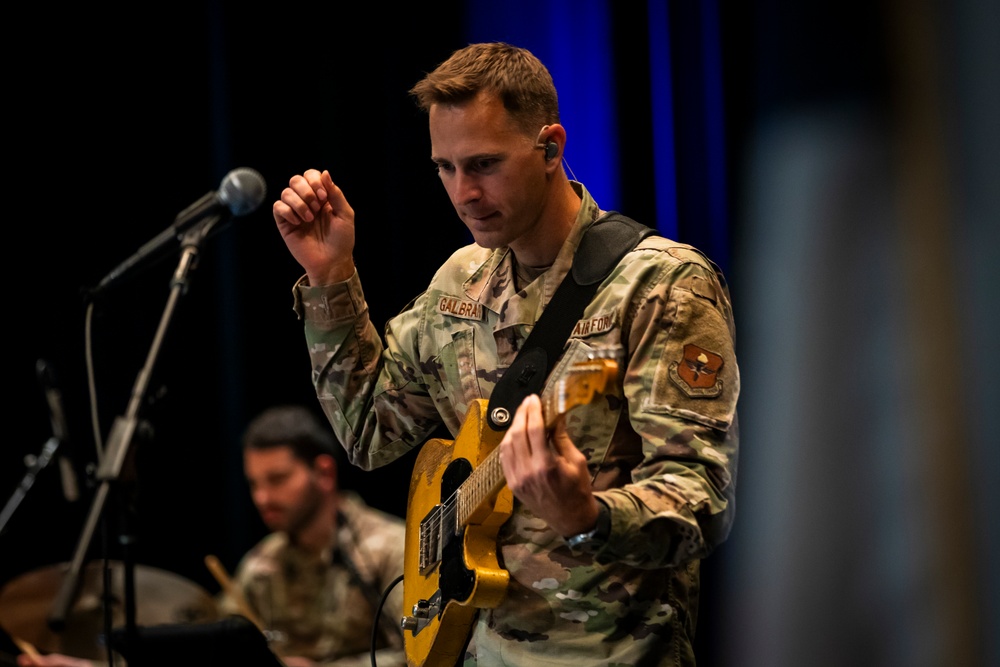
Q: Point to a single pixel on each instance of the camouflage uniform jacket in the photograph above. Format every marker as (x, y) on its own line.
(322, 607)
(663, 456)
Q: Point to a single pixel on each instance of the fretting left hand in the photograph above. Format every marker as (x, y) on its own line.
(547, 472)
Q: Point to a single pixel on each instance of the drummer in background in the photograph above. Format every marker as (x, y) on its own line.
(315, 582)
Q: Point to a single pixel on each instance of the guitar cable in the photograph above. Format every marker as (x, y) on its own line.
(378, 614)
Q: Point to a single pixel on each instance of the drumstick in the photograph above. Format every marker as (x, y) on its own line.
(219, 572)
(27, 647)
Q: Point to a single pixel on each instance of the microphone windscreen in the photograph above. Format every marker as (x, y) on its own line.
(242, 191)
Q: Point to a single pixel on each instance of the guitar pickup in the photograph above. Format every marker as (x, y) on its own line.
(431, 541)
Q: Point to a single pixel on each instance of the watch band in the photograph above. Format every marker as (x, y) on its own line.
(592, 540)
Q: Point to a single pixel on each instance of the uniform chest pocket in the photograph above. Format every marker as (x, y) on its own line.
(453, 371)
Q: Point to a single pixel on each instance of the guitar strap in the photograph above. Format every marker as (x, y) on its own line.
(603, 245)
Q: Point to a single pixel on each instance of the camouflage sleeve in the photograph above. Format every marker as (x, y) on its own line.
(681, 385)
(369, 390)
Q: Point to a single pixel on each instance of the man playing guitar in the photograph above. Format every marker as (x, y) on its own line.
(614, 503)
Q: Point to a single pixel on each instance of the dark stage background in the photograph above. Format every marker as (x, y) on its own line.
(135, 124)
(118, 121)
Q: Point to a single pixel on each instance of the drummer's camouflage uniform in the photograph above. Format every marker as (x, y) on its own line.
(310, 608)
(664, 460)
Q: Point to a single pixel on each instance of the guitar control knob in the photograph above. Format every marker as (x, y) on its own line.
(409, 623)
(421, 609)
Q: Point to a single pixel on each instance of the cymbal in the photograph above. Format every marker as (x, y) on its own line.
(161, 597)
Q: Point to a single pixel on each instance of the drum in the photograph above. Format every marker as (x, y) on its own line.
(161, 597)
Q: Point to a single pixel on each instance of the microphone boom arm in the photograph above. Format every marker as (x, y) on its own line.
(240, 193)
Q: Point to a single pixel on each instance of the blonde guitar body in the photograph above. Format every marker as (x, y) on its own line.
(458, 501)
(460, 573)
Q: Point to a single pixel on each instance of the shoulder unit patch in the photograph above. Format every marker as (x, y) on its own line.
(697, 374)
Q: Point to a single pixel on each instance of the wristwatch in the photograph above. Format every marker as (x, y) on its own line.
(592, 540)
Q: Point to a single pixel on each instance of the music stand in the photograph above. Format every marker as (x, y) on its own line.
(233, 640)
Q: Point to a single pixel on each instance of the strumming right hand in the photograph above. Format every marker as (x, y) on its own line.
(317, 225)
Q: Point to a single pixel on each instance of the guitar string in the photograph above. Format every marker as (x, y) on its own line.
(448, 510)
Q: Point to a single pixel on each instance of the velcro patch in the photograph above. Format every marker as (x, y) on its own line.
(591, 326)
(463, 308)
(697, 374)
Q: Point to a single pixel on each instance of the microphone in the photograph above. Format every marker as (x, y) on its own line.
(60, 434)
(240, 193)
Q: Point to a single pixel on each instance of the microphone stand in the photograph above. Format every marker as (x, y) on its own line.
(119, 443)
(35, 466)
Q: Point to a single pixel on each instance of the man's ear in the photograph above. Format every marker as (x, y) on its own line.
(552, 140)
(326, 471)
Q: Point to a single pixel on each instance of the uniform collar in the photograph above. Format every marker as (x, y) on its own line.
(493, 286)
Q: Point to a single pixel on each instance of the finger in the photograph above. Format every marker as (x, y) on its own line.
(524, 418)
(301, 200)
(314, 177)
(305, 190)
(514, 448)
(319, 182)
(326, 181)
(562, 444)
(509, 446)
(283, 213)
(535, 432)
(336, 198)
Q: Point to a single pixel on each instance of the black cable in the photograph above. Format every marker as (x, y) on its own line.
(378, 612)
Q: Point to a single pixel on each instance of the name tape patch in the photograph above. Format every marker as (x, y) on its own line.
(591, 326)
(463, 308)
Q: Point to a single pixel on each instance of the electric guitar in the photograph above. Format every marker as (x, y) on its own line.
(457, 502)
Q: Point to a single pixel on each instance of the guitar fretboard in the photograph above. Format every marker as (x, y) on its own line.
(483, 483)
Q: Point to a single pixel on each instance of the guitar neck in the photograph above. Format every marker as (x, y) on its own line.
(483, 484)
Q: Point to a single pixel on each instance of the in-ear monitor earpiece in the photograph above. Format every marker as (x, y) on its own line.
(551, 150)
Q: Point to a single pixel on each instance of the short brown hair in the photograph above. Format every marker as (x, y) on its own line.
(513, 74)
(292, 426)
